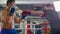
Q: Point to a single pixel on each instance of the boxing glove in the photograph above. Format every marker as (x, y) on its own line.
(12, 10)
(25, 13)
(28, 12)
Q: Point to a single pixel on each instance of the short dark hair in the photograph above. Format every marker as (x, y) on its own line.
(10, 1)
(48, 5)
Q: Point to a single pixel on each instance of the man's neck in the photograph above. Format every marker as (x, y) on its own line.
(7, 8)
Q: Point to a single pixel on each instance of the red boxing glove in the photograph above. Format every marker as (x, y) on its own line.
(25, 13)
(43, 15)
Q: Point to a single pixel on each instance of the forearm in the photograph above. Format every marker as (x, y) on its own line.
(37, 12)
(18, 20)
(33, 12)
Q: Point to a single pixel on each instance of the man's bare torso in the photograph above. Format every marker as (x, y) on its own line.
(7, 21)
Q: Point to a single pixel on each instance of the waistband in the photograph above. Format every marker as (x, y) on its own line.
(7, 29)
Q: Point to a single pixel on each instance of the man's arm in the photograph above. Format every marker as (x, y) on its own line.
(37, 12)
(17, 20)
(34, 12)
(25, 13)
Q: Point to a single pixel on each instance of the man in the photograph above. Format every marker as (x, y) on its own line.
(52, 17)
(9, 17)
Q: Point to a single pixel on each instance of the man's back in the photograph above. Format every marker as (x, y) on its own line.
(52, 16)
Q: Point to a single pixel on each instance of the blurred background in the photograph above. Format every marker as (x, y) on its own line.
(33, 5)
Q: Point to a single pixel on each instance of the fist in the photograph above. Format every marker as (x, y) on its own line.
(25, 13)
(12, 10)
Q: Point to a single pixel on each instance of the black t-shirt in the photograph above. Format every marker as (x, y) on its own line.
(52, 17)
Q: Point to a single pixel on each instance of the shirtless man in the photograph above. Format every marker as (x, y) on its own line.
(9, 17)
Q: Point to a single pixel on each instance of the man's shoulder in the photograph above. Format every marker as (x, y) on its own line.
(3, 10)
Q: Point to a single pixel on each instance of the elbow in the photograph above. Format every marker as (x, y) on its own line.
(18, 21)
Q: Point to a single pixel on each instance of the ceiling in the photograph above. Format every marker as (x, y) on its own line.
(29, 1)
(36, 0)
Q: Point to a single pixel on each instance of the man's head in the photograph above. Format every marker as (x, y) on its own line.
(10, 2)
(48, 7)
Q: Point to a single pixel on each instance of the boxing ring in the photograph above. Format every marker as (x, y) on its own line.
(34, 25)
